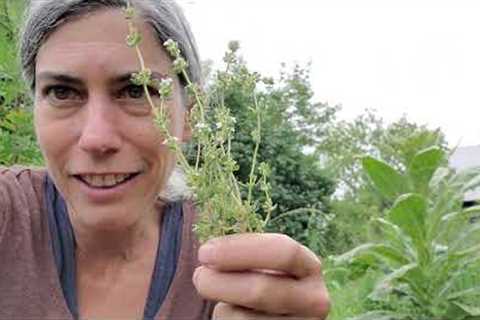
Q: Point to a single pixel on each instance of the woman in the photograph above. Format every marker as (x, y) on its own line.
(89, 237)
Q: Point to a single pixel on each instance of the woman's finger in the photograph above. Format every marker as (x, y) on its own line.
(275, 294)
(253, 251)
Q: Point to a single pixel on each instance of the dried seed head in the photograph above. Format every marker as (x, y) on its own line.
(172, 48)
(142, 78)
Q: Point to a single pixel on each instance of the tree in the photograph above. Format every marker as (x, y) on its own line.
(343, 143)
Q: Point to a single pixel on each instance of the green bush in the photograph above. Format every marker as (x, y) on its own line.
(17, 139)
(430, 249)
(13, 93)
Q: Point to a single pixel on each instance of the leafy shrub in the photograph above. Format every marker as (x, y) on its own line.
(349, 294)
(17, 139)
(430, 252)
(13, 93)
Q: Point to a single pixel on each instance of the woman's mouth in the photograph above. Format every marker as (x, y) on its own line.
(105, 181)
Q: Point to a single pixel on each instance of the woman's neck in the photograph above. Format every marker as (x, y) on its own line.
(101, 250)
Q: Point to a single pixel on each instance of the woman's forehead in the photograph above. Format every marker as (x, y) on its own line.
(99, 40)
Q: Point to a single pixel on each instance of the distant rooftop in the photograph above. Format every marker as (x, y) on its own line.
(464, 158)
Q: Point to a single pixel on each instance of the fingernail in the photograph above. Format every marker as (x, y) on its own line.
(206, 253)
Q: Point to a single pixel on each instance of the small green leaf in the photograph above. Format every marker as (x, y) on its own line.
(438, 177)
(467, 179)
(386, 285)
(467, 237)
(390, 254)
(472, 210)
(468, 251)
(471, 310)
(396, 238)
(353, 254)
(471, 292)
(386, 179)
(371, 253)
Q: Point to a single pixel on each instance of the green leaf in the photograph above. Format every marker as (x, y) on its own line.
(396, 238)
(438, 177)
(471, 310)
(472, 210)
(386, 179)
(467, 179)
(353, 254)
(423, 166)
(468, 251)
(409, 213)
(389, 254)
(386, 285)
(371, 254)
(468, 237)
(471, 292)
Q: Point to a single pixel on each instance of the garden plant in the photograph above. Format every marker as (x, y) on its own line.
(429, 251)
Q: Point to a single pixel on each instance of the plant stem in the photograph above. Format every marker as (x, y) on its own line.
(252, 178)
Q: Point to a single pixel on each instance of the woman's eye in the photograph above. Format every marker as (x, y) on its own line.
(61, 93)
(135, 92)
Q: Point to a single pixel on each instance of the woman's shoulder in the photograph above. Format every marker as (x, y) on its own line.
(21, 197)
(20, 180)
(27, 269)
(22, 174)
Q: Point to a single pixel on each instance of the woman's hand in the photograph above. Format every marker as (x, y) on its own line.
(261, 276)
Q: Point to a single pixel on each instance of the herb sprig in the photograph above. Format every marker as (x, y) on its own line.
(219, 196)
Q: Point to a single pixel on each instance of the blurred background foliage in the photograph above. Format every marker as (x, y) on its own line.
(17, 138)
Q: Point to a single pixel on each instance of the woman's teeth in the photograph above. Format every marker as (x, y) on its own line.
(108, 180)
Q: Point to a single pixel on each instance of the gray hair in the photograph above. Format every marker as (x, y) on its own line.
(44, 16)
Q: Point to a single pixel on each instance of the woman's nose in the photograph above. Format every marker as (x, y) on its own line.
(100, 132)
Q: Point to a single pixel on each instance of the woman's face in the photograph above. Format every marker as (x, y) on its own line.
(95, 128)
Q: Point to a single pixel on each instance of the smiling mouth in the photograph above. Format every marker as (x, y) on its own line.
(105, 181)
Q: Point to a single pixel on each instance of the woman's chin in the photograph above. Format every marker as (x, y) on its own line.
(106, 219)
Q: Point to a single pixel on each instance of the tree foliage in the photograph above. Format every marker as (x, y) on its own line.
(13, 93)
(17, 138)
(340, 149)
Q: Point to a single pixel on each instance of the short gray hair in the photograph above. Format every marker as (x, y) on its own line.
(44, 16)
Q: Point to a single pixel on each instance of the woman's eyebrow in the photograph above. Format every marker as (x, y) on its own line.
(60, 77)
(70, 79)
(127, 77)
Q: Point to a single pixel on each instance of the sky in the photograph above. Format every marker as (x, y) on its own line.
(418, 58)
